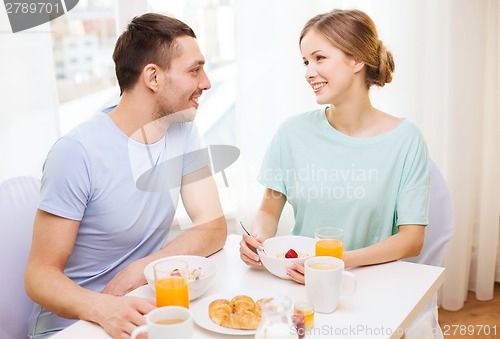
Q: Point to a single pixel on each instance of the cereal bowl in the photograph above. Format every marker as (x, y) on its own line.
(196, 287)
(276, 249)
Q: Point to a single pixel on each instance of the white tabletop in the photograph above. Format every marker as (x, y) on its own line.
(387, 299)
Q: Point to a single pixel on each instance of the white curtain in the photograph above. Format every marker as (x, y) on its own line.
(471, 159)
(447, 75)
(450, 52)
(447, 81)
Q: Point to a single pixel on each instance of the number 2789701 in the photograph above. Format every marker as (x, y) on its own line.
(33, 7)
(469, 330)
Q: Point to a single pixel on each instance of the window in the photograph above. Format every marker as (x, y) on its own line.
(83, 41)
(213, 24)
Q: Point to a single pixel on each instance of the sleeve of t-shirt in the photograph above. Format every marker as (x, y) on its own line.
(66, 181)
(413, 199)
(271, 171)
(194, 157)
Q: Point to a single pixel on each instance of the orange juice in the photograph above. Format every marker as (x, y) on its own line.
(172, 291)
(331, 248)
(307, 311)
(309, 320)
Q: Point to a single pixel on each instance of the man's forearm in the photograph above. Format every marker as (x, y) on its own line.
(53, 290)
(203, 240)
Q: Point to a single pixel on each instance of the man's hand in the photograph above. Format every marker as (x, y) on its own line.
(119, 316)
(127, 279)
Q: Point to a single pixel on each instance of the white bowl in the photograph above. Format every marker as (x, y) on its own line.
(280, 245)
(196, 287)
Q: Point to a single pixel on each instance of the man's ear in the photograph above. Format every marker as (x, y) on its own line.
(358, 64)
(149, 75)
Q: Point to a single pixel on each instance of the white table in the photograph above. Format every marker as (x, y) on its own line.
(387, 299)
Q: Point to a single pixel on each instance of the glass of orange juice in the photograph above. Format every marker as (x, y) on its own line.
(171, 284)
(329, 242)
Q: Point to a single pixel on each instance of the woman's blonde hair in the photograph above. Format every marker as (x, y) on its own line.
(354, 33)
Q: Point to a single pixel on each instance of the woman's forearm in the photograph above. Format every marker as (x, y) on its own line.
(406, 243)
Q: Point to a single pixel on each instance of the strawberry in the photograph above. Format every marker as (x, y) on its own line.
(175, 273)
(300, 325)
(291, 254)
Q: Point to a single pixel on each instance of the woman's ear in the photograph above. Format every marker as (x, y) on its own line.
(358, 64)
(150, 76)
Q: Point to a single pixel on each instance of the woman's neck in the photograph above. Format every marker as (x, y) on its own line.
(358, 118)
(351, 117)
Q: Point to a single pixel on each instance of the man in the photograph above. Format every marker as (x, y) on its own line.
(110, 188)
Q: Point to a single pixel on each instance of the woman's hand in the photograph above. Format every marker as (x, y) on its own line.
(264, 225)
(248, 250)
(296, 273)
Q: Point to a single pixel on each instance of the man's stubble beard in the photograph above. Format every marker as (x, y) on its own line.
(163, 117)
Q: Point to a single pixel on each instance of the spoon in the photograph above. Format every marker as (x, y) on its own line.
(197, 273)
(248, 233)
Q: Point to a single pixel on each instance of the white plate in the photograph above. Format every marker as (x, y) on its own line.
(201, 317)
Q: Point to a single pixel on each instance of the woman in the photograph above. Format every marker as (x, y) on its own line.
(348, 165)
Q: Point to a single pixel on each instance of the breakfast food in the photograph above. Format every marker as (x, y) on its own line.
(239, 313)
(192, 275)
(291, 254)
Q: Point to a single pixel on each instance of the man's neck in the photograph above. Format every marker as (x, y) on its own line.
(134, 118)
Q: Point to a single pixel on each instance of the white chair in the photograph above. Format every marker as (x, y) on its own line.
(437, 235)
(18, 204)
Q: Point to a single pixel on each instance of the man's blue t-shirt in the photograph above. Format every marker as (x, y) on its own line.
(96, 174)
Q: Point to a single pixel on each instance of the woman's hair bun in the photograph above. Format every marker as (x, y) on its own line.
(383, 73)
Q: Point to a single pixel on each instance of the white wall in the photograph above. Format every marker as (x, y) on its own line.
(270, 82)
(28, 97)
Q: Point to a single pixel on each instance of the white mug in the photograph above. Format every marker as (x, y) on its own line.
(324, 279)
(177, 323)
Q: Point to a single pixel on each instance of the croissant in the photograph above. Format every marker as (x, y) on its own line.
(242, 303)
(239, 313)
(220, 310)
